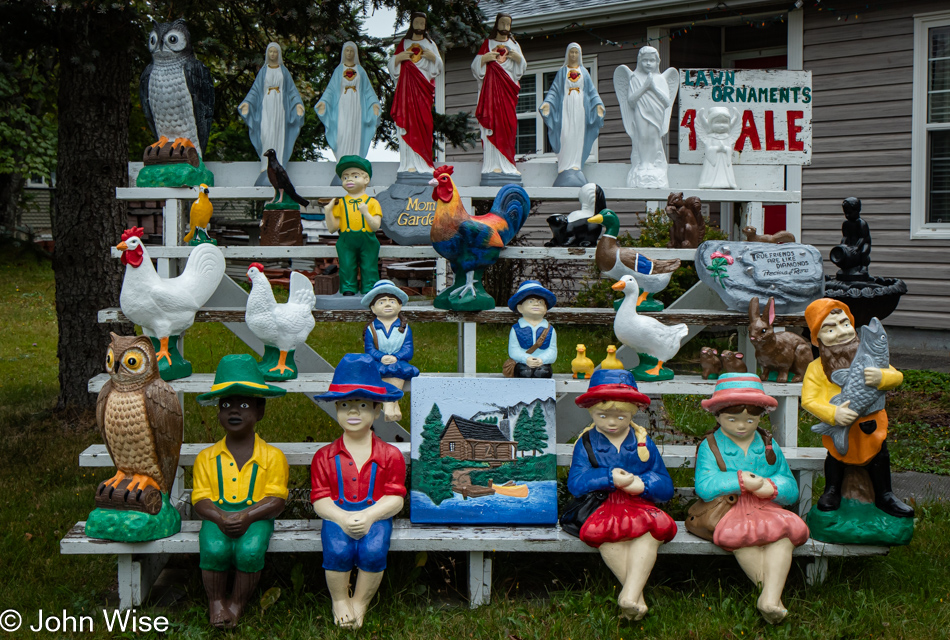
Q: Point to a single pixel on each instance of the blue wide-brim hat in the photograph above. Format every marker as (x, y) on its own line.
(384, 287)
(357, 377)
(530, 288)
(612, 384)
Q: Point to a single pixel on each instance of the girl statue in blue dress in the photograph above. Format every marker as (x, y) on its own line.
(388, 340)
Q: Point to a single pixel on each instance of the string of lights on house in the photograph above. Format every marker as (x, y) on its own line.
(714, 12)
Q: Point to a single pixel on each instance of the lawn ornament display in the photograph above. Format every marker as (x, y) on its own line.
(498, 68)
(357, 217)
(582, 367)
(614, 262)
(616, 477)
(177, 96)
(472, 243)
(532, 341)
(689, 225)
(718, 129)
(483, 451)
(573, 115)
(741, 493)
(653, 341)
(282, 327)
(858, 505)
(240, 487)
(414, 66)
(574, 229)
(779, 354)
(358, 485)
(140, 421)
(752, 235)
(166, 307)
(199, 219)
(349, 108)
(388, 339)
(273, 111)
(646, 99)
(710, 362)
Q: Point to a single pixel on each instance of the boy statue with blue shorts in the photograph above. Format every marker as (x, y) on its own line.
(358, 485)
(240, 486)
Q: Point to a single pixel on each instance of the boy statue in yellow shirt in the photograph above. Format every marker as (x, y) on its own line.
(240, 486)
(357, 217)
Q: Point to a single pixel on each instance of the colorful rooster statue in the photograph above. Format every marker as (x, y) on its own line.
(472, 243)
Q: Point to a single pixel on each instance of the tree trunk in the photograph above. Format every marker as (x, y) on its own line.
(11, 185)
(95, 77)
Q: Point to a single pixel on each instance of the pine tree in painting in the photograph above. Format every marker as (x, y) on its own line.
(539, 429)
(525, 434)
(431, 436)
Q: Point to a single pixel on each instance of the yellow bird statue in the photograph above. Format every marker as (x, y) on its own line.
(611, 361)
(582, 366)
(200, 218)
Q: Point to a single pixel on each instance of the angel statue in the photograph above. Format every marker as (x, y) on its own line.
(646, 102)
(718, 128)
(573, 114)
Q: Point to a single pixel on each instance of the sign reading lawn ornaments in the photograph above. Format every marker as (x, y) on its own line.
(773, 109)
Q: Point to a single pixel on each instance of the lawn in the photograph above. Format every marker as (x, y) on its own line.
(903, 595)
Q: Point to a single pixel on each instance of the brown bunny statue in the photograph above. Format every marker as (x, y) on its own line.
(779, 352)
(752, 235)
(709, 360)
(689, 227)
(732, 362)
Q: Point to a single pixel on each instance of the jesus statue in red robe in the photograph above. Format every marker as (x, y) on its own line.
(498, 67)
(414, 67)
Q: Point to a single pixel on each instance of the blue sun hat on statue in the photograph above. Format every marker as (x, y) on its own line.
(528, 289)
(358, 377)
(384, 287)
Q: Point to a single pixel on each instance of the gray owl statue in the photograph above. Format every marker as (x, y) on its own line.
(176, 89)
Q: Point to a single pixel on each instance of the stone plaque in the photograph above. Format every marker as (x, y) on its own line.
(407, 213)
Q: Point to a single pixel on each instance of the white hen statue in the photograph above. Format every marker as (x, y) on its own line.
(281, 327)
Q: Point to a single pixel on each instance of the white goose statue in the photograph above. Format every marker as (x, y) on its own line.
(653, 341)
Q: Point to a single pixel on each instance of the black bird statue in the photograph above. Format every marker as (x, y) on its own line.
(281, 181)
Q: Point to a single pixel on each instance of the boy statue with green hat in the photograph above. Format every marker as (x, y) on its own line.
(357, 217)
(240, 486)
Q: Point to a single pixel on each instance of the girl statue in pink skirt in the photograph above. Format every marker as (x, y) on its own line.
(616, 456)
(739, 458)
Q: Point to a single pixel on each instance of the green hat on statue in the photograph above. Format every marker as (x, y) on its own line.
(349, 162)
(238, 375)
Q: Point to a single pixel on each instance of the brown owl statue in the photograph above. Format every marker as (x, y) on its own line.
(141, 423)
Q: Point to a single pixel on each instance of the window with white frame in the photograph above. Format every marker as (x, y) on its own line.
(930, 171)
(532, 140)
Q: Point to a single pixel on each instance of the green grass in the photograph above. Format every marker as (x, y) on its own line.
(903, 595)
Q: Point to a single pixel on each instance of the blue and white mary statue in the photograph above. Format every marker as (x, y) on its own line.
(349, 108)
(272, 110)
(573, 114)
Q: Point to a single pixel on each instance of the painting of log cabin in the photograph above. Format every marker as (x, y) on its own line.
(483, 451)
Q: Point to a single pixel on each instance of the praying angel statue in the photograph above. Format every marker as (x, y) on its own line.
(718, 129)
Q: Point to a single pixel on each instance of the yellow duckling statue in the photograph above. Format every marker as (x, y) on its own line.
(611, 361)
(199, 219)
(582, 366)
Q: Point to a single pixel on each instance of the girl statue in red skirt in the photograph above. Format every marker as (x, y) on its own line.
(616, 456)
(740, 459)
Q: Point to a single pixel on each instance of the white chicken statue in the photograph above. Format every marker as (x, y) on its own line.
(654, 342)
(165, 307)
(281, 327)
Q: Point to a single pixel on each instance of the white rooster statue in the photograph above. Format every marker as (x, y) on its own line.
(281, 327)
(653, 341)
(166, 307)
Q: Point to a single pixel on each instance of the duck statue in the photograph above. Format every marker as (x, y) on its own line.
(611, 361)
(654, 342)
(582, 366)
(614, 261)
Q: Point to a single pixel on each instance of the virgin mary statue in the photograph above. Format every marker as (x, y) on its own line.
(349, 108)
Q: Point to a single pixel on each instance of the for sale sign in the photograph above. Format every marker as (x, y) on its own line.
(764, 115)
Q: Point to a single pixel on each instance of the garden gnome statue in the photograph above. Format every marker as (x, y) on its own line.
(498, 67)
(743, 481)
(414, 67)
(718, 128)
(349, 108)
(845, 389)
(532, 341)
(616, 464)
(240, 487)
(646, 99)
(853, 255)
(357, 217)
(140, 420)
(358, 485)
(573, 114)
(273, 111)
(388, 339)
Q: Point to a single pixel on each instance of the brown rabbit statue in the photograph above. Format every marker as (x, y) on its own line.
(752, 235)
(710, 362)
(779, 352)
(733, 362)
